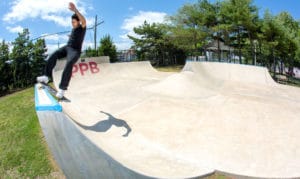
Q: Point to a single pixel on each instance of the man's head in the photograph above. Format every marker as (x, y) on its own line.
(75, 21)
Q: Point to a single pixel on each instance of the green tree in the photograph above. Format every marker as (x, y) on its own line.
(107, 48)
(154, 44)
(187, 29)
(37, 58)
(240, 18)
(149, 43)
(297, 56)
(20, 60)
(272, 34)
(26, 61)
(89, 52)
(289, 43)
(5, 70)
(198, 24)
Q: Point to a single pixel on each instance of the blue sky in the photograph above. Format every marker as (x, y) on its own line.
(120, 16)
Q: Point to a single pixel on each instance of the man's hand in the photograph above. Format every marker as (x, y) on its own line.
(72, 7)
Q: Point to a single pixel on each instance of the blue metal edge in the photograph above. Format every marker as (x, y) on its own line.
(54, 106)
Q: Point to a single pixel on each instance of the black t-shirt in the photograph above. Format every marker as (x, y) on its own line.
(77, 37)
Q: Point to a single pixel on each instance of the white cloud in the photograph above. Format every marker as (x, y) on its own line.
(60, 20)
(135, 21)
(50, 10)
(16, 29)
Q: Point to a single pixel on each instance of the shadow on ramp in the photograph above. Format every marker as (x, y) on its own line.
(105, 125)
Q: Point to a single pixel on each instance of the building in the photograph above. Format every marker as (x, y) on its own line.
(127, 55)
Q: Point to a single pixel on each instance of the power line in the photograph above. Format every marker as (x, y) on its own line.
(47, 35)
(65, 32)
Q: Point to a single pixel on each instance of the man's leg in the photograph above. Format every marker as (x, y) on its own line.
(51, 62)
(72, 58)
(58, 54)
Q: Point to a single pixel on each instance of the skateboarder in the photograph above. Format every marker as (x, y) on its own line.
(71, 51)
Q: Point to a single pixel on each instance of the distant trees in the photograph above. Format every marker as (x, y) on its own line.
(231, 21)
(240, 19)
(279, 41)
(89, 52)
(23, 64)
(186, 32)
(270, 40)
(5, 69)
(37, 58)
(107, 48)
(154, 44)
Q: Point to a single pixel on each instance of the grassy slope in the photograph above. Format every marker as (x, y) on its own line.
(174, 68)
(23, 152)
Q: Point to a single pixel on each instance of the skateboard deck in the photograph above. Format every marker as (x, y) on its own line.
(52, 91)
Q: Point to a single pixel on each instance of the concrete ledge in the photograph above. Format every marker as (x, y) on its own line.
(44, 101)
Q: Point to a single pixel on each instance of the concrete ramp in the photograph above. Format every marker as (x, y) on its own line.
(232, 72)
(126, 120)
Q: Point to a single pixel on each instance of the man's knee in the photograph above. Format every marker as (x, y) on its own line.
(69, 65)
(56, 55)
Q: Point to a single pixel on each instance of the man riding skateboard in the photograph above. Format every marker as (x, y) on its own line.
(71, 51)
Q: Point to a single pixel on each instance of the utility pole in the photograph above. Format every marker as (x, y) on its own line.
(95, 33)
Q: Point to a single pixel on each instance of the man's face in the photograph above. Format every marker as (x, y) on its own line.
(75, 23)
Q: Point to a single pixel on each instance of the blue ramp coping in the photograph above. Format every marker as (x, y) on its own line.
(44, 101)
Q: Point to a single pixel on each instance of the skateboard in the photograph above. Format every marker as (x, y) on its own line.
(52, 91)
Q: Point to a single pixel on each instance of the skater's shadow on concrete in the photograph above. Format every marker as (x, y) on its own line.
(105, 125)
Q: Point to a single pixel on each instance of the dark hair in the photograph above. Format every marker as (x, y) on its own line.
(74, 16)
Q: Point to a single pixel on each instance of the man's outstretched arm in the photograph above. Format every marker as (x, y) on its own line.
(73, 8)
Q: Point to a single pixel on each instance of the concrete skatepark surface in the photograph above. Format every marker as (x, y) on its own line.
(126, 120)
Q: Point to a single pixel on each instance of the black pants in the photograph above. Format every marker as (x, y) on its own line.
(72, 57)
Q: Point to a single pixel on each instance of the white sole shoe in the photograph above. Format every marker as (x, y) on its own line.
(60, 93)
(42, 79)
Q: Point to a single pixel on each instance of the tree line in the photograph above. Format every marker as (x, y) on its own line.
(106, 48)
(270, 40)
(20, 65)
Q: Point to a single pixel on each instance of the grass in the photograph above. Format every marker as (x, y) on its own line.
(173, 68)
(293, 81)
(288, 80)
(23, 151)
(218, 176)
